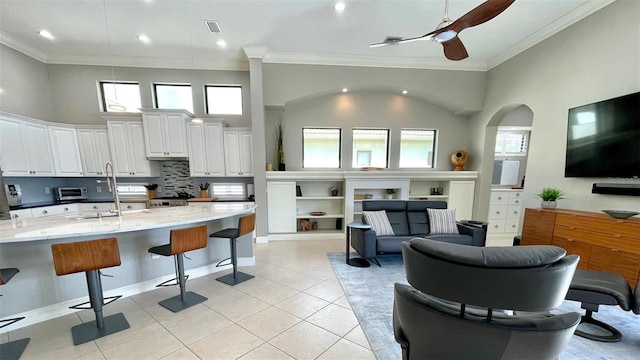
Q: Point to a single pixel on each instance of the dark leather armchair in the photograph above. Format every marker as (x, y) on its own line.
(469, 302)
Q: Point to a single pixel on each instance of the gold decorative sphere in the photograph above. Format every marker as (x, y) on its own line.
(459, 159)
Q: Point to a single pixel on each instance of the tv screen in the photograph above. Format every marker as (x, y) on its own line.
(603, 139)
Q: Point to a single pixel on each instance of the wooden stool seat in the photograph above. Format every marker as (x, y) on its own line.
(11, 349)
(246, 224)
(89, 257)
(181, 241)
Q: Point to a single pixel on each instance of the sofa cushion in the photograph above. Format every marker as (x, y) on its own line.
(417, 215)
(391, 244)
(379, 222)
(442, 221)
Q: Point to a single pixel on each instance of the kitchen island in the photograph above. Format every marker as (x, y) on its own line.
(37, 293)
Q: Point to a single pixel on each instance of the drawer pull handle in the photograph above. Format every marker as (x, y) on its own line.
(497, 212)
(45, 212)
(499, 197)
(616, 250)
(616, 235)
(570, 240)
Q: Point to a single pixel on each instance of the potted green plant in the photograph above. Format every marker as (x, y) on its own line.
(549, 197)
(390, 193)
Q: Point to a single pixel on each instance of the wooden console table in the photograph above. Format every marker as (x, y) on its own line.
(602, 242)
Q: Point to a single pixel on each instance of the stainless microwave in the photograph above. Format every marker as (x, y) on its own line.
(70, 193)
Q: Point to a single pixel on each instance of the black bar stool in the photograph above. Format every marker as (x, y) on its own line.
(246, 224)
(181, 241)
(89, 257)
(11, 349)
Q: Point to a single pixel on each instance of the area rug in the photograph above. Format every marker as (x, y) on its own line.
(370, 293)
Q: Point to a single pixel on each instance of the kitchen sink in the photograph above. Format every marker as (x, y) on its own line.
(105, 214)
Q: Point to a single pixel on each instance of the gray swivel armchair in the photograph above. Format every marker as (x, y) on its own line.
(469, 302)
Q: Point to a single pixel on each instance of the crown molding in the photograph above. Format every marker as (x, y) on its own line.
(548, 31)
(13, 43)
(147, 62)
(254, 51)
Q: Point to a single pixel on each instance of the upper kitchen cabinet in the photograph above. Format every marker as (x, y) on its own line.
(94, 150)
(238, 154)
(25, 149)
(205, 148)
(126, 139)
(165, 133)
(66, 154)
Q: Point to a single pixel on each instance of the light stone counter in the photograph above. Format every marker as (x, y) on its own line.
(39, 294)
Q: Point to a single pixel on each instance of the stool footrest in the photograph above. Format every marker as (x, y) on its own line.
(239, 277)
(13, 350)
(89, 331)
(105, 301)
(177, 303)
(175, 280)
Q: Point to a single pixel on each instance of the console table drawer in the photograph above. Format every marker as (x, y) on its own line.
(611, 226)
(620, 262)
(600, 239)
(575, 248)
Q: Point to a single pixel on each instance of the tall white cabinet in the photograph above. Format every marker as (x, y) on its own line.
(165, 133)
(66, 154)
(94, 150)
(238, 153)
(126, 139)
(25, 149)
(281, 206)
(205, 148)
(505, 210)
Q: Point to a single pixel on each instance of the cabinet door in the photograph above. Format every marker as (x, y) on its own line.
(88, 156)
(246, 153)
(612, 260)
(174, 136)
(119, 142)
(214, 160)
(38, 149)
(138, 156)
(102, 149)
(281, 206)
(538, 227)
(461, 198)
(154, 135)
(12, 152)
(66, 153)
(197, 153)
(574, 247)
(231, 153)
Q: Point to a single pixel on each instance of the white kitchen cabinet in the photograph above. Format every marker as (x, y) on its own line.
(54, 210)
(461, 198)
(205, 148)
(94, 150)
(238, 152)
(25, 149)
(505, 208)
(126, 139)
(165, 133)
(66, 153)
(21, 214)
(281, 206)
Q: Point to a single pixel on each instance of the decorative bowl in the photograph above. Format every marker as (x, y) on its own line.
(317, 213)
(620, 214)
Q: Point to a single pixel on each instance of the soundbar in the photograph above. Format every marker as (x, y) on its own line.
(616, 189)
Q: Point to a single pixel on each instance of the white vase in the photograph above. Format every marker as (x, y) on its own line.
(389, 196)
(548, 204)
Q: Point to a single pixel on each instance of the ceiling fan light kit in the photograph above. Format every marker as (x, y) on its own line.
(446, 33)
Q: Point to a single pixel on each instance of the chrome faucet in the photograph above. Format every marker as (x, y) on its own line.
(112, 187)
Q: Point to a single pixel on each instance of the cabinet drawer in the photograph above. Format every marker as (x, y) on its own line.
(497, 212)
(511, 225)
(612, 226)
(68, 209)
(499, 198)
(619, 262)
(21, 214)
(600, 239)
(515, 201)
(575, 248)
(515, 195)
(496, 227)
(513, 212)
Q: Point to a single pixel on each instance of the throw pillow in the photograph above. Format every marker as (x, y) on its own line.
(442, 221)
(379, 222)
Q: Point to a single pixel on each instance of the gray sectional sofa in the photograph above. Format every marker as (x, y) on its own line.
(409, 220)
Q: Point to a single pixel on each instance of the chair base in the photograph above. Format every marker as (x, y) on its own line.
(13, 350)
(239, 277)
(614, 336)
(176, 304)
(89, 331)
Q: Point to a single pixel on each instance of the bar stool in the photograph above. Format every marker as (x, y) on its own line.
(11, 349)
(246, 224)
(181, 241)
(89, 257)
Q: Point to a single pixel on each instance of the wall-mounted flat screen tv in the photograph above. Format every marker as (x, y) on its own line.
(603, 139)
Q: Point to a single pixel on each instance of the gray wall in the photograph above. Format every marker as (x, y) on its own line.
(24, 86)
(579, 65)
(375, 109)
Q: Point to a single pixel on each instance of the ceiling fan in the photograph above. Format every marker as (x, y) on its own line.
(447, 31)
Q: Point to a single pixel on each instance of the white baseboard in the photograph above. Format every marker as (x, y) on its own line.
(262, 239)
(60, 309)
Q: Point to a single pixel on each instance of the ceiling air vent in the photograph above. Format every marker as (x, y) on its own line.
(213, 26)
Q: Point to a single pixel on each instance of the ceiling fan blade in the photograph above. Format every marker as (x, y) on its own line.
(454, 49)
(397, 40)
(480, 14)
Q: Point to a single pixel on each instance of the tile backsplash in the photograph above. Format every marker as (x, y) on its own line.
(175, 178)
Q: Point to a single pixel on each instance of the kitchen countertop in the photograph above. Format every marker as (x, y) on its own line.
(55, 227)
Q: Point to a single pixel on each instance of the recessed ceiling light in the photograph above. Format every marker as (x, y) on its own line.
(339, 7)
(344, 90)
(404, 92)
(46, 34)
(221, 43)
(144, 38)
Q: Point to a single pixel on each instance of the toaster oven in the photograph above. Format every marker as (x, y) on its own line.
(70, 193)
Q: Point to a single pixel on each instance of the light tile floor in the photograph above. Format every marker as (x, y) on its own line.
(294, 308)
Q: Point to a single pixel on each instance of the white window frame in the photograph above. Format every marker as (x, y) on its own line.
(320, 129)
(504, 133)
(207, 101)
(431, 158)
(104, 102)
(354, 157)
(157, 101)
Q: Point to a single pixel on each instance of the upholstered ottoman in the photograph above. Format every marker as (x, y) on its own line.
(595, 288)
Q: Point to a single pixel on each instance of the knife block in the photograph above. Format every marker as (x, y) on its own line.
(204, 193)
